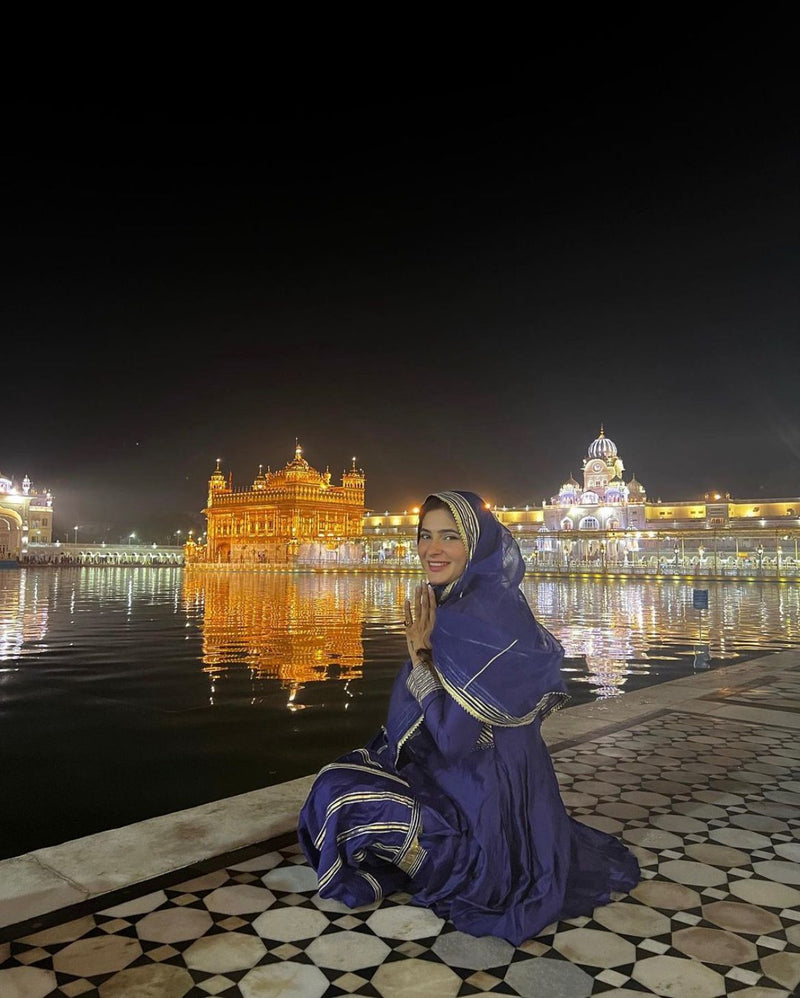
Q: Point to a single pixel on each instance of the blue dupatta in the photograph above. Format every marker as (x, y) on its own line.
(490, 653)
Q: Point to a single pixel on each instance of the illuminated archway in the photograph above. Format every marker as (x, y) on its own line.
(10, 533)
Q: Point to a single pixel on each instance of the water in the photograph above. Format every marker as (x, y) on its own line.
(131, 692)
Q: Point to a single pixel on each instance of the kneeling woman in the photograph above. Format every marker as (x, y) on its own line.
(455, 799)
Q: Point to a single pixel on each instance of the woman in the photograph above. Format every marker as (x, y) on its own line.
(455, 799)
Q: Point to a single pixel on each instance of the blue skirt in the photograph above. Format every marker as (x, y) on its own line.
(485, 842)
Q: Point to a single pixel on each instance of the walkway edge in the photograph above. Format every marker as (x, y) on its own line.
(56, 876)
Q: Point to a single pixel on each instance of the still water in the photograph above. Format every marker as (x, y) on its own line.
(131, 692)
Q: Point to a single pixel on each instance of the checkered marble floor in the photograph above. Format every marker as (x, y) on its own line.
(710, 804)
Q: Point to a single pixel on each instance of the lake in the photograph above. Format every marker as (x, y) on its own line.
(131, 692)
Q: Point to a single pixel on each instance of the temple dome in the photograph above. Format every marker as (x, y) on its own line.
(635, 487)
(298, 461)
(602, 447)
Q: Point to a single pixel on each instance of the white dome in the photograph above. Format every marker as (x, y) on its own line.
(602, 447)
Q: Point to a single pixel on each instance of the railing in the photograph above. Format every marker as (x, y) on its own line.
(576, 569)
(786, 572)
(65, 554)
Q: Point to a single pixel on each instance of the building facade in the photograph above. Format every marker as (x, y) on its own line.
(602, 521)
(294, 516)
(606, 522)
(26, 517)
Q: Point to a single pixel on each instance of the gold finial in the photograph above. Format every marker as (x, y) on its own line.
(354, 464)
(602, 431)
(298, 450)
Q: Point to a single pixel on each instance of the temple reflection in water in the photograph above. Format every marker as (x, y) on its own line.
(297, 628)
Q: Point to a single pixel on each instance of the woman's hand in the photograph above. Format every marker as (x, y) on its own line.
(419, 621)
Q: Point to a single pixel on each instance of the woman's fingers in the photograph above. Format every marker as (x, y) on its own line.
(427, 603)
(424, 609)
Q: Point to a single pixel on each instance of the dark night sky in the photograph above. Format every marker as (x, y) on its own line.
(457, 289)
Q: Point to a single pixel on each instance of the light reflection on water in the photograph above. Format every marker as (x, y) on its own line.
(629, 634)
(130, 692)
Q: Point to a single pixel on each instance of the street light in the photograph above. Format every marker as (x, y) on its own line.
(178, 537)
(76, 529)
(131, 538)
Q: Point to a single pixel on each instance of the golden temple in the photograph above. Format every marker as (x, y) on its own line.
(294, 515)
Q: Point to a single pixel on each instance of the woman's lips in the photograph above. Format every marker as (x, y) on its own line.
(437, 566)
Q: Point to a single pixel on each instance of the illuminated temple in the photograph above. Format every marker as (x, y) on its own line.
(26, 517)
(601, 521)
(606, 522)
(292, 516)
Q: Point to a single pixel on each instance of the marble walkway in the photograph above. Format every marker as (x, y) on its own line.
(700, 776)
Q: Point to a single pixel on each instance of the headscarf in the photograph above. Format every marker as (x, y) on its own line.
(491, 550)
(490, 653)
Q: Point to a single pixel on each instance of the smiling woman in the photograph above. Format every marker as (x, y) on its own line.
(455, 798)
(442, 550)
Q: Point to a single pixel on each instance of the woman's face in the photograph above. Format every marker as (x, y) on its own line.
(442, 552)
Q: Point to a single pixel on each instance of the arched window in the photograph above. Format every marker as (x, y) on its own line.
(566, 523)
(612, 523)
(589, 523)
(589, 499)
